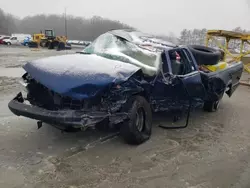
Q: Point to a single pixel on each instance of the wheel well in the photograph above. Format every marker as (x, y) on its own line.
(143, 94)
(228, 89)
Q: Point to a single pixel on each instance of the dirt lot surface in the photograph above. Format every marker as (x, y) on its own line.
(212, 152)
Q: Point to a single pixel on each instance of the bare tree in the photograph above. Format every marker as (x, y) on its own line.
(7, 23)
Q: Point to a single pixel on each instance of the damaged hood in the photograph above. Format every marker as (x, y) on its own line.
(79, 75)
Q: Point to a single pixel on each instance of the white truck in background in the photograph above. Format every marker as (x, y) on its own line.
(16, 39)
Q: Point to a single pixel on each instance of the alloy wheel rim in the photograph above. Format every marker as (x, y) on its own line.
(139, 119)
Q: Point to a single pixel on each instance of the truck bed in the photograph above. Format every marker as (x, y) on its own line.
(226, 80)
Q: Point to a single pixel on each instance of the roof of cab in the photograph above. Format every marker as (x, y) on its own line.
(141, 38)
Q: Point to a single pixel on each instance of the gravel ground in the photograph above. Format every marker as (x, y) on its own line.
(212, 152)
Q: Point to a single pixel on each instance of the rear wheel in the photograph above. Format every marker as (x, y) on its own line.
(137, 129)
(61, 46)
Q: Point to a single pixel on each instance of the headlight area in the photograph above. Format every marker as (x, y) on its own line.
(118, 94)
(112, 98)
(24, 89)
(24, 84)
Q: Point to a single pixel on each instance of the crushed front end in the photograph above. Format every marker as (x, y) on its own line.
(40, 103)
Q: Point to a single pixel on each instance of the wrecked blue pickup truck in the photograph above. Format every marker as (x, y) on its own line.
(120, 80)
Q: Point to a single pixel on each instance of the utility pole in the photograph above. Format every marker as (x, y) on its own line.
(65, 19)
(65, 24)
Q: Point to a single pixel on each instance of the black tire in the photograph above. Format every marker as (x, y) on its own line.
(205, 55)
(61, 46)
(211, 106)
(47, 44)
(137, 129)
(50, 45)
(43, 44)
(8, 43)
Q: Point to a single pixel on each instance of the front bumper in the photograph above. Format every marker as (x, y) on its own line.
(62, 118)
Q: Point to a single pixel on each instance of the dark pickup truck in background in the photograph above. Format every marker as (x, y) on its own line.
(119, 80)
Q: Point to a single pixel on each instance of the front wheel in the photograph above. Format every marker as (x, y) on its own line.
(8, 43)
(43, 44)
(137, 129)
(50, 45)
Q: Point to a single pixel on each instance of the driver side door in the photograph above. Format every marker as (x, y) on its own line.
(179, 82)
(190, 82)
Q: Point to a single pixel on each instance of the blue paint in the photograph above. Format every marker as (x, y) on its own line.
(26, 41)
(76, 75)
(82, 76)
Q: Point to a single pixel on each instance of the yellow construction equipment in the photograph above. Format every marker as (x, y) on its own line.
(36, 39)
(244, 38)
(48, 39)
(219, 66)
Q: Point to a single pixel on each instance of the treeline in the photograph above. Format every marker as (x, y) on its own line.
(7, 23)
(78, 28)
(195, 36)
(198, 36)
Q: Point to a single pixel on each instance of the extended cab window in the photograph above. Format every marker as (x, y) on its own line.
(13, 38)
(180, 63)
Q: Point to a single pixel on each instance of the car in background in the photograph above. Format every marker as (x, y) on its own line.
(26, 41)
(68, 41)
(3, 38)
(81, 43)
(78, 42)
(86, 43)
(75, 42)
(16, 39)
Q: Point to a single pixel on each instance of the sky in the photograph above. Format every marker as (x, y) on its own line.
(154, 16)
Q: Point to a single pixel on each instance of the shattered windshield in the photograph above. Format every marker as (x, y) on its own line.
(114, 47)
